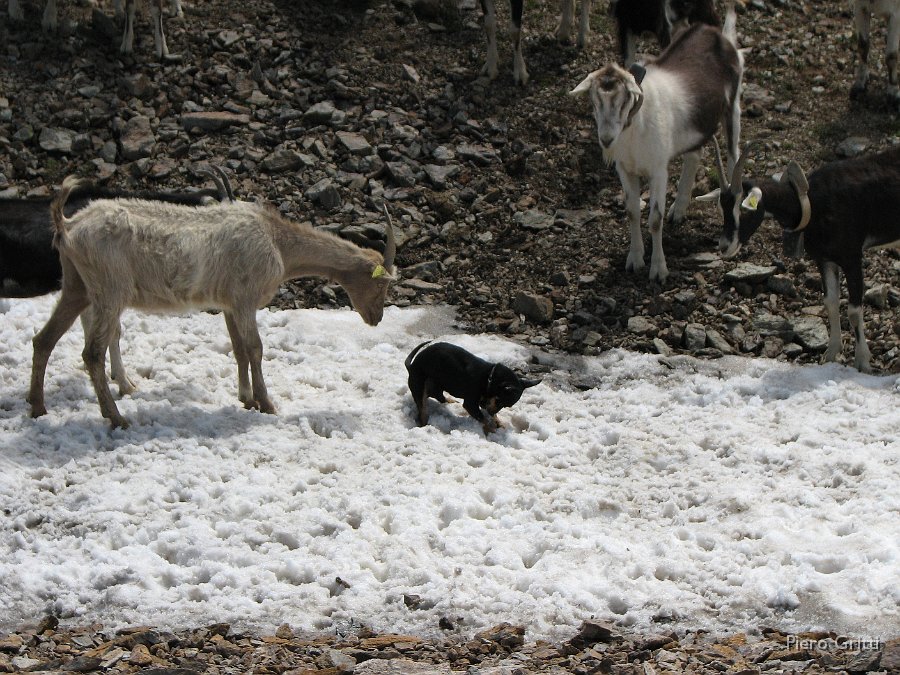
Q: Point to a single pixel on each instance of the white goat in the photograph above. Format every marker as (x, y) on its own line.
(647, 117)
(862, 15)
(132, 253)
(49, 22)
(563, 33)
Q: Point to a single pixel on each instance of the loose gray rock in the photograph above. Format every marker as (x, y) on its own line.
(694, 336)
(401, 173)
(325, 194)
(400, 667)
(641, 325)
(477, 154)
(440, 175)
(574, 217)
(770, 324)
(853, 146)
(137, 141)
(811, 332)
(411, 74)
(354, 143)
(536, 308)
(783, 285)
(283, 160)
(138, 86)
(56, 140)
(749, 273)
(878, 296)
(533, 220)
(212, 121)
(717, 341)
(320, 113)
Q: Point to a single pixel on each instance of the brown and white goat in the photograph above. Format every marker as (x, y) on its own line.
(49, 21)
(646, 117)
(563, 33)
(862, 16)
(842, 209)
(152, 256)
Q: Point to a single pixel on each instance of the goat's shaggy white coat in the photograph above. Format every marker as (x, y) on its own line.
(153, 256)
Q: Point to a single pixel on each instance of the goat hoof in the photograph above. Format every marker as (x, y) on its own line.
(38, 411)
(119, 422)
(126, 387)
(857, 91)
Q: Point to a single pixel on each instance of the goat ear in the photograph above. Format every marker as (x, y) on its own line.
(637, 71)
(637, 102)
(709, 196)
(796, 176)
(584, 85)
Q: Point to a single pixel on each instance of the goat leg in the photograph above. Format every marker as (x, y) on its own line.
(658, 268)
(15, 11)
(862, 19)
(631, 184)
(893, 46)
(245, 392)
(64, 314)
(831, 285)
(567, 13)
(584, 28)
(49, 21)
(248, 350)
(490, 30)
(101, 327)
(690, 163)
(854, 276)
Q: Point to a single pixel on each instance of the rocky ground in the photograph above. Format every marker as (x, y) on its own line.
(504, 208)
(596, 647)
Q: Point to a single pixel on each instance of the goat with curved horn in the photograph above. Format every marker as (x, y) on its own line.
(857, 201)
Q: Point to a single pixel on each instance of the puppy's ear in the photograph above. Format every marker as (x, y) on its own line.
(530, 383)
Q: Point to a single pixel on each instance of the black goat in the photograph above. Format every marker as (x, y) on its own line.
(29, 263)
(844, 208)
(662, 18)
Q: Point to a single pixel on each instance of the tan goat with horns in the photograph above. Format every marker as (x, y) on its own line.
(122, 253)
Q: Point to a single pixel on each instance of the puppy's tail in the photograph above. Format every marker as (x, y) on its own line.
(415, 352)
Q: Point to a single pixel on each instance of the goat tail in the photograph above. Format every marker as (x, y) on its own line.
(729, 28)
(57, 206)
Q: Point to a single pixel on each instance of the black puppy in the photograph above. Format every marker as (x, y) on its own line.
(436, 367)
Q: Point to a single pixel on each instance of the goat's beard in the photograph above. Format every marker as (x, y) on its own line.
(607, 155)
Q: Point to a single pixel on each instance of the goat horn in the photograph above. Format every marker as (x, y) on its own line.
(737, 174)
(390, 248)
(225, 181)
(797, 179)
(720, 168)
(220, 179)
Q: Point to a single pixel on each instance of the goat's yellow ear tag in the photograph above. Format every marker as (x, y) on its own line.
(751, 203)
(379, 271)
